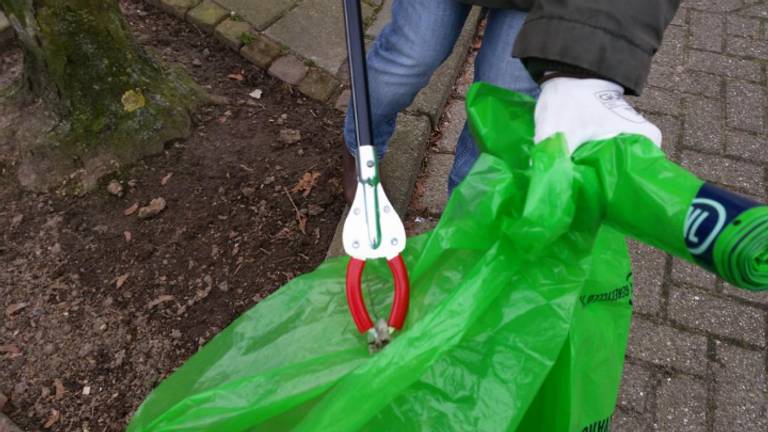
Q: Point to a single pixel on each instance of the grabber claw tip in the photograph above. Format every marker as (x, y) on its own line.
(355, 295)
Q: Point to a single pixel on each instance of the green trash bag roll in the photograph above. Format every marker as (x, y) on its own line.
(520, 309)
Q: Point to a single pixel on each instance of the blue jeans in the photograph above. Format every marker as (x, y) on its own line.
(419, 38)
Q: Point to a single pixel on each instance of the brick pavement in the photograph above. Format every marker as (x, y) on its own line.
(698, 350)
(696, 359)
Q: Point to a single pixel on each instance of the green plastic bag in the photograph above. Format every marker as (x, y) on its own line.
(520, 308)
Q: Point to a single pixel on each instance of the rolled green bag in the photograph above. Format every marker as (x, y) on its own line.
(741, 250)
(650, 198)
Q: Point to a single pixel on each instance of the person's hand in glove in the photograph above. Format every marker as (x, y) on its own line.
(587, 109)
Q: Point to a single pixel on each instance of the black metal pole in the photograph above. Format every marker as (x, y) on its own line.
(358, 72)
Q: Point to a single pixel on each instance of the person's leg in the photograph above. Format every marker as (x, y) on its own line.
(494, 65)
(419, 38)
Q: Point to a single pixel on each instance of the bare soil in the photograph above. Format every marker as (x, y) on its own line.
(98, 305)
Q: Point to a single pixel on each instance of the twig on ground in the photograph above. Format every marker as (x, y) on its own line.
(300, 219)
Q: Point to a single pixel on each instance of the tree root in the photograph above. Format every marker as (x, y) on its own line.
(50, 155)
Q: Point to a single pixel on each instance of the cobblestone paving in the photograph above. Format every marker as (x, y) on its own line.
(696, 359)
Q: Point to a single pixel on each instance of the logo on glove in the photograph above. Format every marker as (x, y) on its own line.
(614, 101)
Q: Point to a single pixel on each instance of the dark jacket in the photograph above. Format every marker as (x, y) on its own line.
(614, 39)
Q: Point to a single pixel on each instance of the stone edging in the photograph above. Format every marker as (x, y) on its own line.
(264, 52)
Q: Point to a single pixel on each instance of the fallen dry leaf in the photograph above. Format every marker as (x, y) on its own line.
(302, 222)
(60, 390)
(306, 183)
(131, 210)
(164, 180)
(120, 281)
(160, 300)
(154, 208)
(283, 234)
(236, 77)
(12, 309)
(52, 419)
(202, 293)
(9, 349)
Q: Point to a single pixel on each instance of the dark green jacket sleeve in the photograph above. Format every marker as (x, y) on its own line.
(615, 39)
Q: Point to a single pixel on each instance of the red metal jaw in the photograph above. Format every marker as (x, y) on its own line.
(355, 294)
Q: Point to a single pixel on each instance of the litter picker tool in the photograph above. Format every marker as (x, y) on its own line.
(372, 230)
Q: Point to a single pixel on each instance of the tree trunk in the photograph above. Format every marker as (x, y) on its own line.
(112, 102)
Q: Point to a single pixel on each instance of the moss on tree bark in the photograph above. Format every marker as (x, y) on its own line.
(111, 100)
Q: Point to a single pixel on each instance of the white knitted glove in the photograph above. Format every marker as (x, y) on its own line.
(587, 110)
